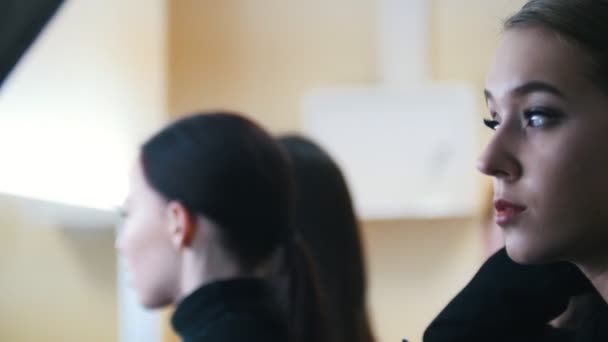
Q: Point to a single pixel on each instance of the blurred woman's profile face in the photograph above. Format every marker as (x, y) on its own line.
(548, 155)
(145, 243)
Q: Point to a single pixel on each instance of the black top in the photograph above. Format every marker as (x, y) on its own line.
(507, 301)
(232, 310)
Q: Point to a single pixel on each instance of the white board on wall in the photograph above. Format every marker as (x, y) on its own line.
(406, 152)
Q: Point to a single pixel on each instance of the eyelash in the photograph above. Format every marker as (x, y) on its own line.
(491, 123)
(548, 114)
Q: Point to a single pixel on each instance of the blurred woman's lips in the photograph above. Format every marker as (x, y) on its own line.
(507, 212)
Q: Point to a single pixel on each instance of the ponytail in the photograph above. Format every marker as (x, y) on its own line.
(325, 218)
(296, 280)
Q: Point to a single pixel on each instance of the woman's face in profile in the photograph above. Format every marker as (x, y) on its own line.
(549, 152)
(145, 244)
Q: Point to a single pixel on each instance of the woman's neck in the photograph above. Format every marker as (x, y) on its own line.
(596, 270)
(202, 268)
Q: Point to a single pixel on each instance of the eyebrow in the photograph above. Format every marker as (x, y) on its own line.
(531, 87)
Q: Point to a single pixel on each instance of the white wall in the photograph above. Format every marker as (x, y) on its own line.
(71, 117)
(80, 101)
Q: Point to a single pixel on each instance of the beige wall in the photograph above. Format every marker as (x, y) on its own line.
(239, 54)
(56, 284)
(415, 267)
(464, 35)
(259, 56)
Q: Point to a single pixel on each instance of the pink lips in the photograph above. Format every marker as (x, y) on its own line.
(507, 212)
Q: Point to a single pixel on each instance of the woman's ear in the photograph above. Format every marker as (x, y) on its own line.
(182, 225)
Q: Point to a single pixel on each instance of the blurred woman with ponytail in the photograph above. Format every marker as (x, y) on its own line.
(208, 227)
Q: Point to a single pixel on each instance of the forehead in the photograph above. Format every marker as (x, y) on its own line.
(535, 54)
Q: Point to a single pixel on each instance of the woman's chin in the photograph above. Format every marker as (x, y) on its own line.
(529, 253)
(154, 301)
(521, 256)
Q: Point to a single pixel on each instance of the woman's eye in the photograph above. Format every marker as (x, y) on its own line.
(536, 121)
(491, 124)
(536, 118)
